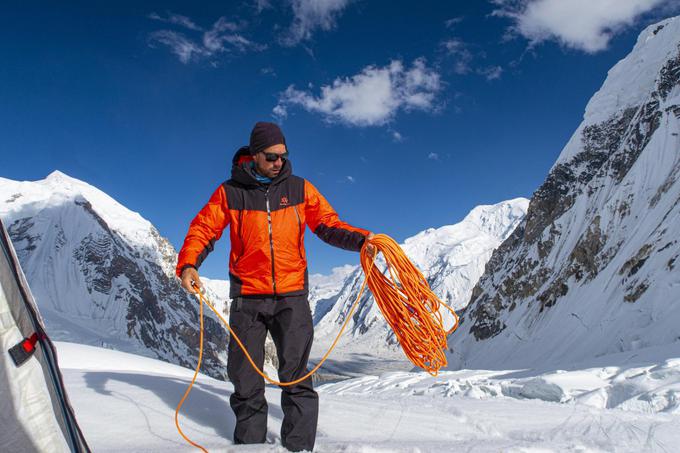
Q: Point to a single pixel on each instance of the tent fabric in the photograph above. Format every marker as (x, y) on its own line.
(35, 414)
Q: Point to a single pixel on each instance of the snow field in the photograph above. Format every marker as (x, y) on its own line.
(127, 402)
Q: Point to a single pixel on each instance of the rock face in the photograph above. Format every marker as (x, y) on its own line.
(103, 275)
(451, 258)
(590, 270)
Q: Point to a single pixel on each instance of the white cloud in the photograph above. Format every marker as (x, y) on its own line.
(373, 97)
(458, 50)
(397, 137)
(453, 22)
(222, 37)
(492, 73)
(310, 15)
(464, 59)
(351, 179)
(214, 39)
(176, 19)
(268, 71)
(433, 156)
(586, 25)
(184, 48)
(261, 5)
(280, 112)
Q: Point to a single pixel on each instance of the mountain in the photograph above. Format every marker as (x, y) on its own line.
(103, 275)
(592, 269)
(451, 258)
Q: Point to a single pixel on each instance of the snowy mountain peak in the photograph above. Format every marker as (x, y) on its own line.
(631, 81)
(495, 219)
(58, 189)
(59, 177)
(628, 82)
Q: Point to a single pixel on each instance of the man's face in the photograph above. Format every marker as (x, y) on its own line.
(266, 168)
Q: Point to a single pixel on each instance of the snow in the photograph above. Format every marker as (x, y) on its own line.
(217, 292)
(628, 82)
(127, 402)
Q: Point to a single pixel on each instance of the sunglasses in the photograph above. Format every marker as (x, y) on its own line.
(273, 157)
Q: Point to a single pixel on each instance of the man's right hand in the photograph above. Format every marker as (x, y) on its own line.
(189, 276)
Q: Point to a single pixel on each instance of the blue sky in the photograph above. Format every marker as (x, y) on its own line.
(405, 115)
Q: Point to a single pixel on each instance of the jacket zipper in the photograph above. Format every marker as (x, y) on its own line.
(240, 237)
(300, 233)
(271, 237)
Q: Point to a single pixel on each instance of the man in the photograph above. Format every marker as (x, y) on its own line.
(267, 208)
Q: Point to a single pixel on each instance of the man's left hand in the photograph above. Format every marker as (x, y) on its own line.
(370, 248)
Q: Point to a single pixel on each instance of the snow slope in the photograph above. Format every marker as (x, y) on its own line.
(127, 402)
(592, 269)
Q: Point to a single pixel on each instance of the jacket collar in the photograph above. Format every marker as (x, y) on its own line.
(242, 172)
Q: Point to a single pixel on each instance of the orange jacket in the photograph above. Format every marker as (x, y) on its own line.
(267, 227)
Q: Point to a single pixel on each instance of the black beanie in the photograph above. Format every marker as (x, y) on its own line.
(265, 135)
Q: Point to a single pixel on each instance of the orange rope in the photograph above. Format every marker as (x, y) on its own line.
(405, 299)
(409, 305)
(198, 367)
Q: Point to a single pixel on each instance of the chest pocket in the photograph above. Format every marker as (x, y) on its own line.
(301, 229)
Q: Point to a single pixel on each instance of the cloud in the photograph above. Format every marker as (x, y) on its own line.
(371, 98)
(453, 22)
(492, 72)
(268, 71)
(184, 48)
(176, 19)
(261, 5)
(586, 25)
(459, 50)
(280, 112)
(351, 179)
(310, 15)
(433, 156)
(397, 137)
(464, 59)
(223, 36)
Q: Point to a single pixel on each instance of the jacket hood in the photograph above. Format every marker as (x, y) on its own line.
(242, 172)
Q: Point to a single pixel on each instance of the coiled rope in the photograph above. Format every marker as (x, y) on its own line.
(405, 300)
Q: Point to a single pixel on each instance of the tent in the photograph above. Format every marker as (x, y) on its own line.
(35, 414)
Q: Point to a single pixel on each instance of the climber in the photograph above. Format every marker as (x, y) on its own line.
(267, 208)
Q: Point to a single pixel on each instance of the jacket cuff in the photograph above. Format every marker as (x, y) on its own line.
(362, 241)
(181, 269)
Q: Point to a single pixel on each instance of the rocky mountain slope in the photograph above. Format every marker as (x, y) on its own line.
(592, 269)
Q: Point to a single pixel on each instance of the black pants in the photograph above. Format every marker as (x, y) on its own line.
(290, 322)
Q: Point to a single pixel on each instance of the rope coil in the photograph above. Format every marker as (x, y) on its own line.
(405, 300)
(409, 305)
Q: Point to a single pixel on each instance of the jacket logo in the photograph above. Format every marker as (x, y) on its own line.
(284, 201)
